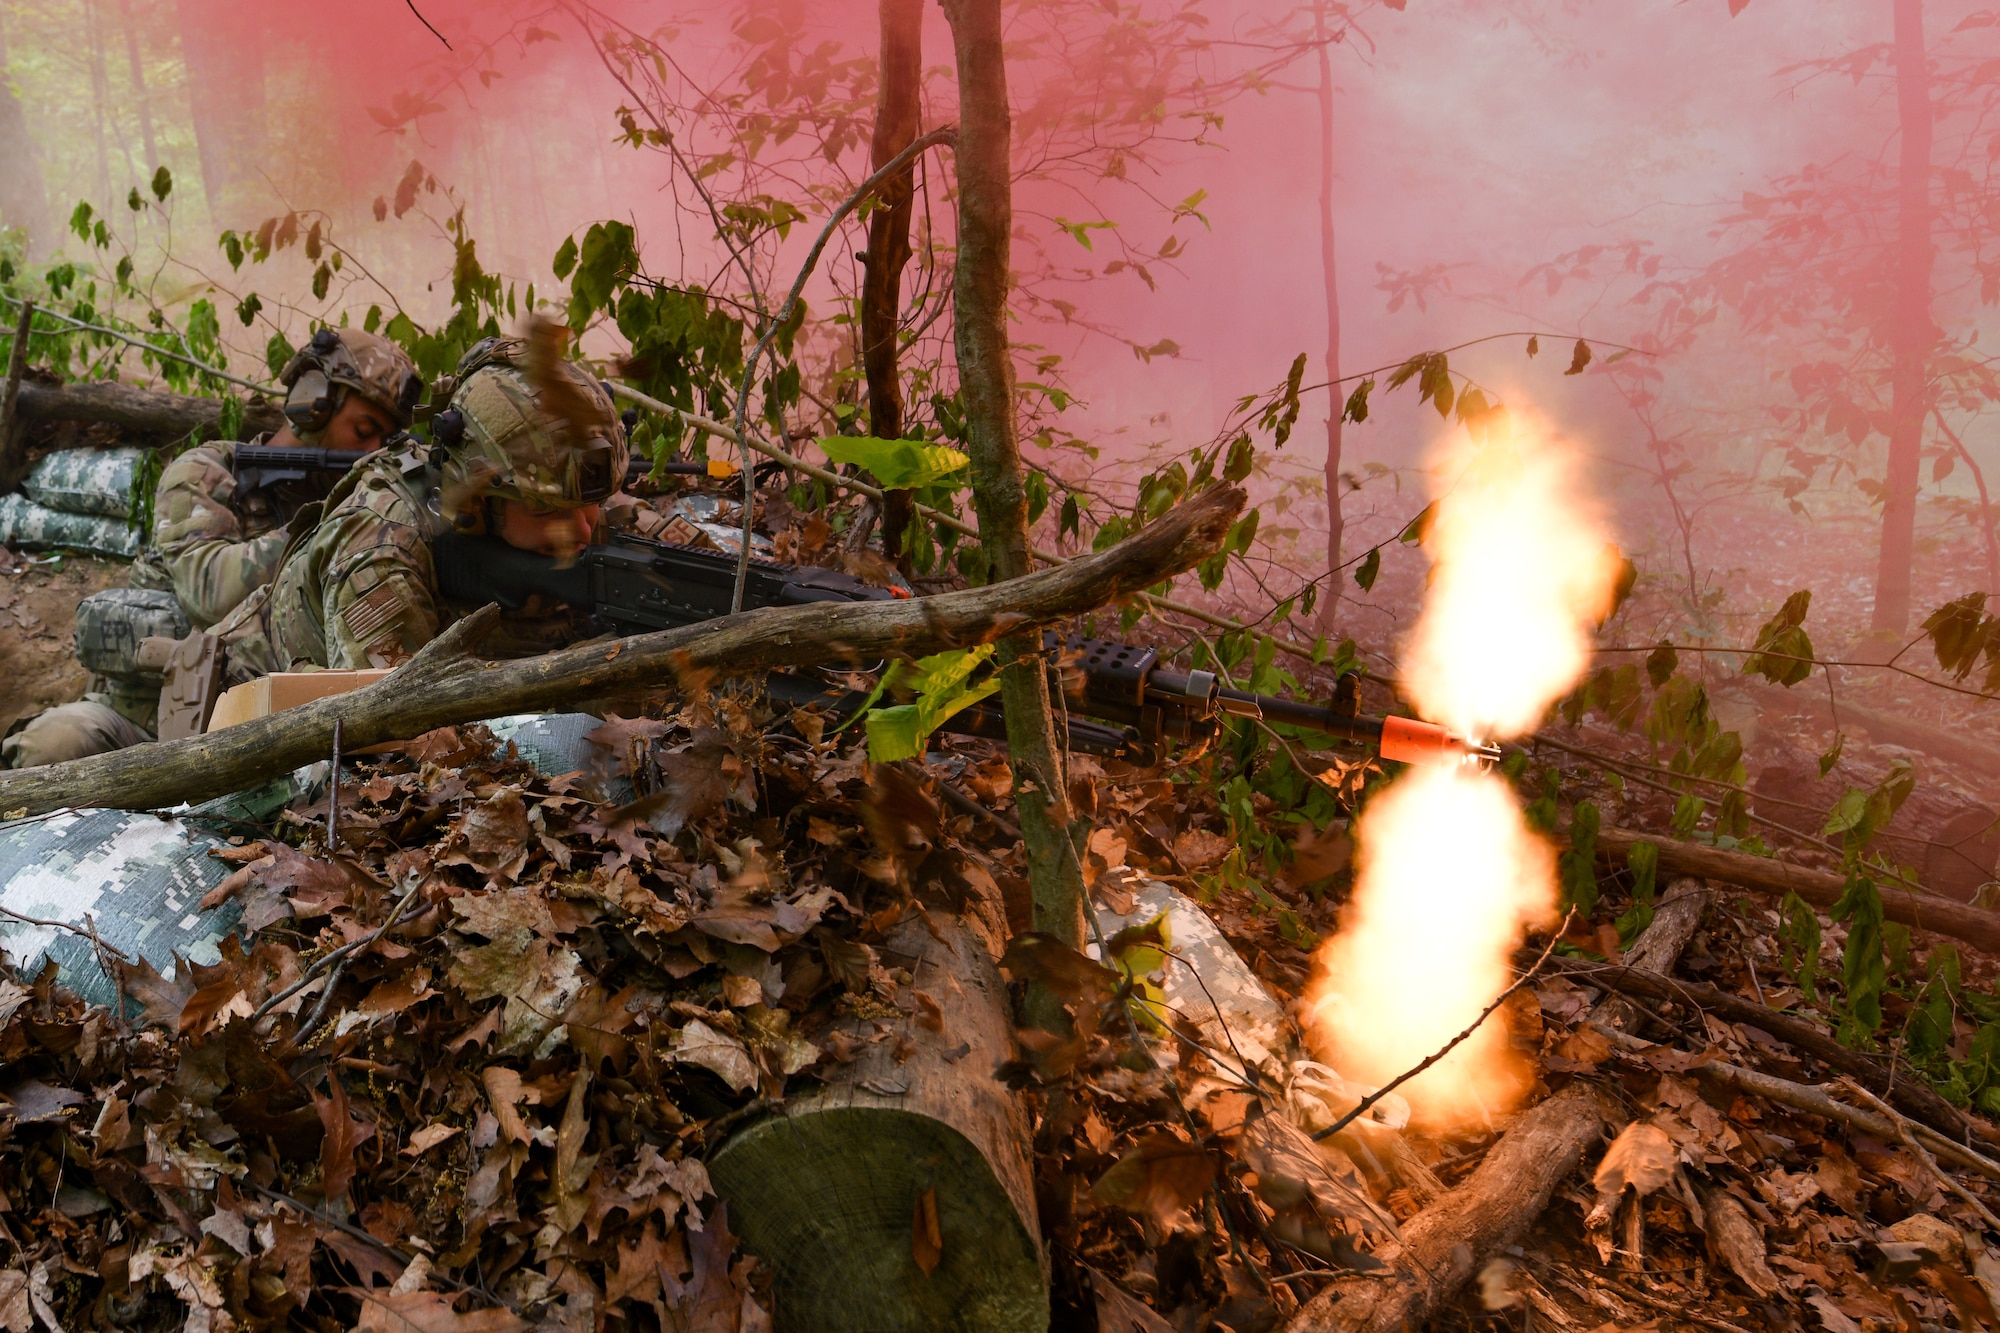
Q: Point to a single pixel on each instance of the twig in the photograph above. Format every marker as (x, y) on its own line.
(978, 811)
(426, 22)
(374, 1243)
(1944, 1178)
(332, 956)
(333, 797)
(78, 326)
(1555, 937)
(951, 522)
(89, 934)
(102, 950)
(949, 134)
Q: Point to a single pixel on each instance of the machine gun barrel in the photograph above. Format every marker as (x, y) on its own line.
(635, 584)
(258, 465)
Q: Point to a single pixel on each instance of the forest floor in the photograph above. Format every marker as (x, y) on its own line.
(38, 597)
(495, 1113)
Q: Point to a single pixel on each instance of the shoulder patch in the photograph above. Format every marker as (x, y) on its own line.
(369, 617)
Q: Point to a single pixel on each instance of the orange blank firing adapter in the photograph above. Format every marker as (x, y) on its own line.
(1409, 741)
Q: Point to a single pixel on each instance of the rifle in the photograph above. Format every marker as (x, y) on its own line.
(257, 466)
(1129, 705)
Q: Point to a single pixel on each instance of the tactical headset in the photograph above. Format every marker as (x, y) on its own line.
(315, 395)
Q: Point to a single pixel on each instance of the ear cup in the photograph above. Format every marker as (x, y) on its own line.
(310, 404)
(448, 428)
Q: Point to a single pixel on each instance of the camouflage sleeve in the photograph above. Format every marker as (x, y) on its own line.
(192, 503)
(211, 578)
(378, 592)
(200, 538)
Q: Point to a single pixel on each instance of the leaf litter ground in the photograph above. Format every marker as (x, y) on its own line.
(465, 1076)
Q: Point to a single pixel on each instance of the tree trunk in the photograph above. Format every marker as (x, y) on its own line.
(23, 202)
(446, 683)
(1911, 333)
(986, 383)
(141, 98)
(13, 423)
(1330, 276)
(100, 88)
(896, 114)
(830, 1191)
(155, 411)
(225, 79)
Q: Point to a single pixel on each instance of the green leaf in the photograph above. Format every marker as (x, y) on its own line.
(565, 261)
(1370, 566)
(1413, 532)
(1642, 862)
(1357, 402)
(1832, 756)
(897, 464)
(163, 184)
(1661, 664)
(1799, 936)
(1783, 654)
(940, 682)
(1863, 970)
(1578, 865)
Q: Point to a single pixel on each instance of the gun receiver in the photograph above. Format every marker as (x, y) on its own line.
(633, 585)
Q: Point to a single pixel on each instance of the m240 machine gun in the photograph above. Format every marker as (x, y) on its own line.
(1129, 705)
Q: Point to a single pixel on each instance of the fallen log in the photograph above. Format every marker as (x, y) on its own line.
(1915, 1100)
(1952, 839)
(900, 1198)
(1973, 751)
(1443, 1245)
(1816, 1099)
(1922, 911)
(154, 411)
(448, 683)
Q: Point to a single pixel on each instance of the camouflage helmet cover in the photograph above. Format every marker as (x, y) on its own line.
(366, 363)
(557, 445)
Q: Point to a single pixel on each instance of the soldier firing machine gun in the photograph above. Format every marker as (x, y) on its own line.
(634, 585)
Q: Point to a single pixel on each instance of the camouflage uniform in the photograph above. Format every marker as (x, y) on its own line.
(361, 590)
(213, 548)
(216, 546)
(208, 549)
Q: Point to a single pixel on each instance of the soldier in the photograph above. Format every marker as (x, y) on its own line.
(527, 450)
(348, 390)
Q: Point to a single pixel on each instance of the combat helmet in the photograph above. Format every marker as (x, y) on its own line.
(548, 435)
(339, 361)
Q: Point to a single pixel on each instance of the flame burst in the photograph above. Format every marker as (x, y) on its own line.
(1449, 873)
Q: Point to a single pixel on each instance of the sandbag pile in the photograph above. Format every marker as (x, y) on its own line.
(77, 498)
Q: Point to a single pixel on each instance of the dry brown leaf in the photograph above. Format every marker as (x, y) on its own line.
(726, 1057)
(427, 1312)
(1118, 1312)
(1641, 1158)
(344, 1134)
(1199, 849)
(429, 1137)
(926, 1238)
(1157, 1178)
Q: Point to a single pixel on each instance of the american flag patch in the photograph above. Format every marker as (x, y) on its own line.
(369, 617)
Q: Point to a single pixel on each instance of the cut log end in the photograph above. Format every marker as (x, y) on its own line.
(830, 1197)
(834, 1193)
